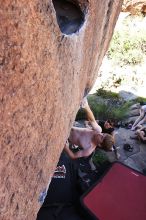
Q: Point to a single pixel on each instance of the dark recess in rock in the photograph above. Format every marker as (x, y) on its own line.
(70, 18)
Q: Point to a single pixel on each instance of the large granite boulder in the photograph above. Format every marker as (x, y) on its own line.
(49, 59)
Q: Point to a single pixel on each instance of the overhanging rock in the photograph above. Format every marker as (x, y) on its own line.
(49, 59)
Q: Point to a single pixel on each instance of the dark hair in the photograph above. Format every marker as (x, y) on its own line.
(108, 142)
(110, 122)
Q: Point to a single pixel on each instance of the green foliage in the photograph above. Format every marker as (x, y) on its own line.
(107, 110)
(128, 44)
(139, 100)
(104, 110)
(100, 157)
(106, 94)
(99, 109)
(120, 112)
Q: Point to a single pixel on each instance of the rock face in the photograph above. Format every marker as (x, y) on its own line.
(134, 6)
(48, 62)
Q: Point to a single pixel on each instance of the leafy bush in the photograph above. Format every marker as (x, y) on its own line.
(140, 100)
(100, 157)
(108, 108)
(128, 44)
(120, 112)
(104, 110)
(106, 94)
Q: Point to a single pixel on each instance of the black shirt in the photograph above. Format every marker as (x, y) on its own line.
(62, 188)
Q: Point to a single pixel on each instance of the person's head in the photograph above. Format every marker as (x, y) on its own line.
(107, 142)
(108, 124)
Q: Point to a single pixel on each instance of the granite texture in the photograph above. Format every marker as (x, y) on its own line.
(44, 74)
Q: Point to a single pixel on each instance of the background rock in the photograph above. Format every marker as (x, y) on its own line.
(130, 120)
(44, 74)
(127, 96)
(135, 159)
(133, 113)
(134, 6)
(135, 106)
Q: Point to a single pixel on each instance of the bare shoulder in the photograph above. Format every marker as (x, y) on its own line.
(97, 138)
(100, 135)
